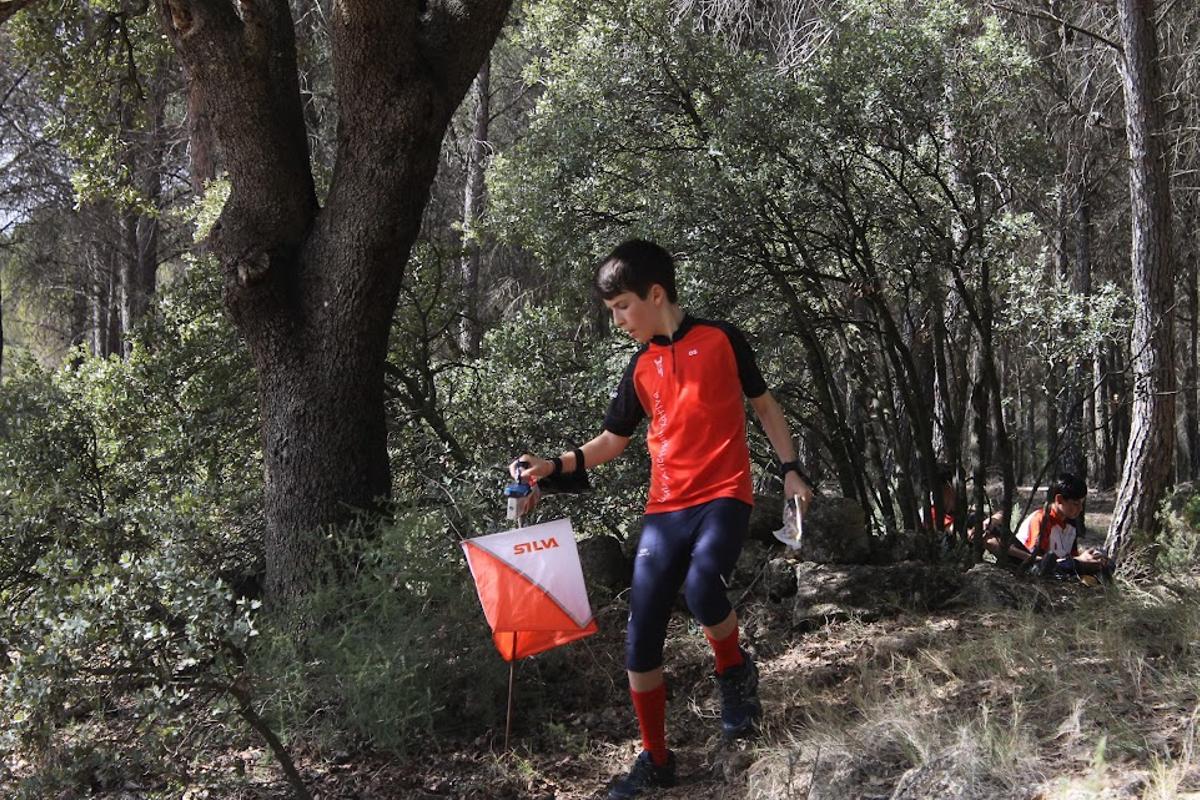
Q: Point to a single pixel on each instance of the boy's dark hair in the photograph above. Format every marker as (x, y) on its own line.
(1071, 487)
(634, 266)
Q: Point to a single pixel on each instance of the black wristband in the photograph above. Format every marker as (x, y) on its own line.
(794, 466)
(580, 466)
(557, 462)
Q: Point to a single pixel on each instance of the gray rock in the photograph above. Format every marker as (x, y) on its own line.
(750, 564)
(904, 546)
(830, 592)
(989, 586)
(765, 518)
(779, 582)
(763, 573)
(835, 530)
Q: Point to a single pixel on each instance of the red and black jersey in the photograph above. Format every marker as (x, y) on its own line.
(1051, 532)
(690, 386)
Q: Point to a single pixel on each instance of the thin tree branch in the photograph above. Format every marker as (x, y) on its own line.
(1048, 17)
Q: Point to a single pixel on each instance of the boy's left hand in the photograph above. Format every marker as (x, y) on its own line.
(795, 486)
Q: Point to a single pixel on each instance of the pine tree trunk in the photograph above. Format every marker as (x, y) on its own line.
(472, 329)
(1149, 457)
(1191, 416)
(1092, 393)
(1105, 461)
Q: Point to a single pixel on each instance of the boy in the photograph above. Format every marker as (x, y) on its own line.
(688, 379)
(994, 535)
(1053, 531)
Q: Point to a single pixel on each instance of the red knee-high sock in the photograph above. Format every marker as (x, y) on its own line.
(651, 709)
(726, 650)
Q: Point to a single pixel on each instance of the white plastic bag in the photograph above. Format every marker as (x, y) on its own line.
(792, 532)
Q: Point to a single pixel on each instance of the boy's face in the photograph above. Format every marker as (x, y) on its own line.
(1069, 509)
(639, 317)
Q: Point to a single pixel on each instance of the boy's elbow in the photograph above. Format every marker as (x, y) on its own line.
(763, 404)
(617, 444)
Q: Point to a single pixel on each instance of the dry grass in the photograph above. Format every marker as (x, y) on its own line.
(1094, 698)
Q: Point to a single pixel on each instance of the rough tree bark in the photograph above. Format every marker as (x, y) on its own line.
(1149, 457)
(313, 289)
(202, 166)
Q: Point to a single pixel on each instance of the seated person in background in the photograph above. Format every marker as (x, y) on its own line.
(945, 499)
(1052, 531)
(993, 533)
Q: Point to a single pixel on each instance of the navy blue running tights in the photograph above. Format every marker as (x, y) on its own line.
(695, 548)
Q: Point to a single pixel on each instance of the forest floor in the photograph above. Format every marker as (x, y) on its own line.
(1082, 693)
(1078, 693)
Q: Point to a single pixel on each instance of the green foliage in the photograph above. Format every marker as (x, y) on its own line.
(101, 66)
(544, 387)
(541, 384)
(157, 636)
(714, 152)
(402, 652)
(857, 196)
(1177, 546)
(129, 510)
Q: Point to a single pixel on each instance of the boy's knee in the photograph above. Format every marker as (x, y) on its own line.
(707, 601)
(643, 650)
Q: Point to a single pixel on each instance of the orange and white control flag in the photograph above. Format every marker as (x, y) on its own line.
(531, 587)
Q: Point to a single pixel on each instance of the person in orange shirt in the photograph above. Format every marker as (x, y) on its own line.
(1052, 531)
(993, 534)
(689, 381)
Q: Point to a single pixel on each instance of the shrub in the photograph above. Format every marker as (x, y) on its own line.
(400, 651)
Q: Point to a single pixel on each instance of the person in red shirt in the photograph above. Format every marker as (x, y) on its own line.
(995, 538)
(945, 499)
(688, 380)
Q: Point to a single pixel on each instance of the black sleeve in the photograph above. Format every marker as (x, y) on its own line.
(753, 384)
(625, 411)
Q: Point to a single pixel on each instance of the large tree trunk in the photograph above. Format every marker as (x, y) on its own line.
(1149, 458)
(103, 263)
(313, 289)
(139, 229)
(202, 163)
